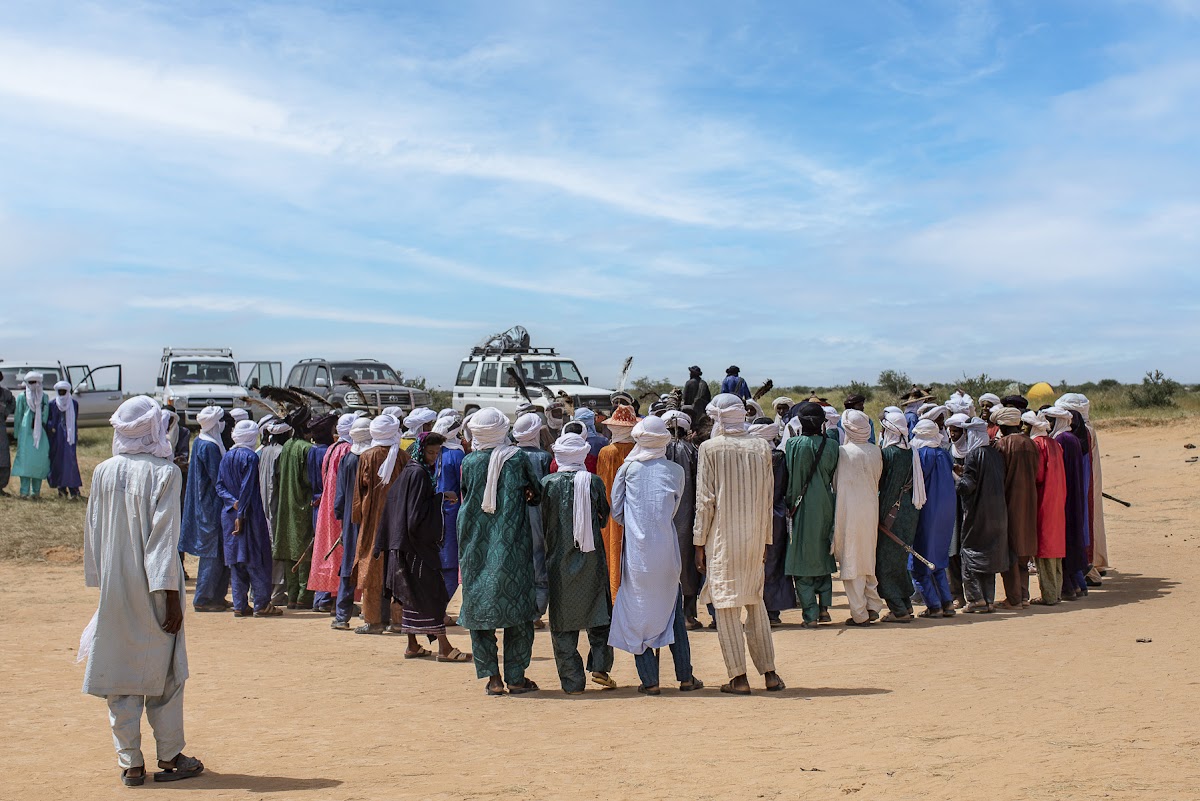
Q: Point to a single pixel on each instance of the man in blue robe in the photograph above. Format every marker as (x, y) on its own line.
(63, 428)
(200, 532)
(448, 485)
(935, 524)
(734, 384)
(246, 538)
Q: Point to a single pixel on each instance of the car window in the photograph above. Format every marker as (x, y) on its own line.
(366, 372)
(204, 373)
(466, 374)
(551, 372)
(294, 376)
(310, 372)
(322, 372)
(14, 376)
(491, 371)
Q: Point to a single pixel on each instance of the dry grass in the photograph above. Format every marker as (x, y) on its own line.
(51, 529)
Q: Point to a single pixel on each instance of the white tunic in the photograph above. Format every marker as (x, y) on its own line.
(735, 488)
(856, 508)
(131, 552)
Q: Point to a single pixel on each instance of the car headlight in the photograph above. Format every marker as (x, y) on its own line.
(353, 397)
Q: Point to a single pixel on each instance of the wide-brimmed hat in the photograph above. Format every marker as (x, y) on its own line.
(916, 395)
(622, 416)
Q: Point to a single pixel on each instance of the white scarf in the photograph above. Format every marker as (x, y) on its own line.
(360, 436)
(245, 434)
(138, 427)
(449, 427)
(925, 434)
(211, 425)
(728, 414)
(489, 432)
(857, 426)
(1038, 426)
(417, 419)
(33, 398)
(895, 432)
(1062, 420)
(343, 426)
(385, 433)
(571, 452)
(1074, 402)
(65, 404)
(620, 433)
(767, 431)
(652, 437)
(528, 430)
(975, 435)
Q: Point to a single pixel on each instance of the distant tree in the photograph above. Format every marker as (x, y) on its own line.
(983, 383)
(440, 398)
(861, 388)
(1156, 391)
(645, 384)
(893, 382)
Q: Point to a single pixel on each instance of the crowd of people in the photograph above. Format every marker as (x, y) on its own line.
(620, 526)
(46, 430)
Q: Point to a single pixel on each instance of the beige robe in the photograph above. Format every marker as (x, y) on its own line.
(856, 509)
(1099, 538)
(735, 488)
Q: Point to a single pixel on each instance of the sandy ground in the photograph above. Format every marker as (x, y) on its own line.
(1059, 703)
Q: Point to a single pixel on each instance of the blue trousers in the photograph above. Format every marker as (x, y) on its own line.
(33, 486)
(934, 585)
(681, 653)
(449, 558)
(343, 608)
(257, 580)
(212, 581)
(321, 599)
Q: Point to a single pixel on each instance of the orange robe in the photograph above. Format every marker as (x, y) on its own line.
(370, 494)
(608, 462)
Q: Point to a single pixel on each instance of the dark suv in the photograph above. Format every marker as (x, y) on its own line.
(378, 382)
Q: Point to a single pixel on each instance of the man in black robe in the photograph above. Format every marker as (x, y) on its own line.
(983, 511)
(696, 395)
(685, 454)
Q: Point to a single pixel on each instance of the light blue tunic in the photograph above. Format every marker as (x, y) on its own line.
(645, 496)
(31, 461)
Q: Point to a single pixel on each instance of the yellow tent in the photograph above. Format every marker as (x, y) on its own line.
(1040, 395)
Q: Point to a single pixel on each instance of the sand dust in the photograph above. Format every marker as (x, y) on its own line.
(1053, 704)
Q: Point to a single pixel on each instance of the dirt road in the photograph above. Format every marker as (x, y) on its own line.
(1050, 703)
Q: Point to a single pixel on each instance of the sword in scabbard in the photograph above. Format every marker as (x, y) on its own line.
(307, 551)
(906, 547)
(333, 548)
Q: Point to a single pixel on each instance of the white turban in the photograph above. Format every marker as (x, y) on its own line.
(926, 434)
(728, 414)
(571, 452)
(138, 428)
(1074, 402)
(887, 409)
(651, 436)
(394, 411)
(279, 427)
(65, 404)
(417, 419)
(245, 434)
(385, 433)
(857, 426)
(1039, 426)
(678, 419)
(360, 435)
(33, 397)
(975, 435)
(239, 415)
(446, 413)
(1005, 416)
(988, 397)
(527, 430)
(212, 423)
(961, 403)
(754, 410)
(489, 430)
(1062, 419)
(895, 432)
(449, 427)
(343, 426)
(934, 412)
(767, 431)
(782, 402)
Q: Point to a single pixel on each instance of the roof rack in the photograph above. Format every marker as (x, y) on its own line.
(176, 352)
(492, 350)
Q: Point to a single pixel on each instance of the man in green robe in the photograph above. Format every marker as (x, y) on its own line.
(574, 510)
(32, 464)
(495, 552)
(812, 459)
(901, 496)
(293, 535)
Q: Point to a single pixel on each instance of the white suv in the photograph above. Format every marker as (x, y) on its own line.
(483, 378)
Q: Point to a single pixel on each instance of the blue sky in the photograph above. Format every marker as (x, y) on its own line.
(815, 191)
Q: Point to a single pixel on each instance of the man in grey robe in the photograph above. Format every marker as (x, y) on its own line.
(134, 644)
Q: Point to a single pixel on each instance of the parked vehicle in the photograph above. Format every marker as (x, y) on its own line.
(197, 377)
(98, 391)
(379, 384)
(483, 378)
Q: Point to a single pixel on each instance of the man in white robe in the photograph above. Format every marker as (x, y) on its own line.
(134, 645)
(735, 488)
(856, 518)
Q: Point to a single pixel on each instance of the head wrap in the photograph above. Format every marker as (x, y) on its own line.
(1039, 426)
(960, 403)
(279, 427)
(245, 434)
(360, 435)
(394, 411)
(343, 426)
(989, 397)
(895, 432)
(934, 412)
(754, 410)
(212, 423)
(489, 432)
(1005, 416)
(857, 426)
(528, 430)
(571, 452)
(651, 436)
(385, 433)
(832, 418)
(812, 418)
(925, 434)
(138, 428)
(764, 428)
(33, 398)
(974, 437)
(1074, 402)
(1060, 420)
(321, 429)
(239, 415)
(417, 419)
(450, 427)
(588, 418)
(728, 414)
(575, 427)
(677, 420)
(65, 404)
(1017, 401)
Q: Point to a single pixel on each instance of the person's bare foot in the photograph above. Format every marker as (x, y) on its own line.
(774, 683)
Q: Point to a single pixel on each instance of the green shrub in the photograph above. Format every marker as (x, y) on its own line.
(1156, 390)
(892, 382)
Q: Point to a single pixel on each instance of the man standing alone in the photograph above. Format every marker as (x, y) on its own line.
(134, 646)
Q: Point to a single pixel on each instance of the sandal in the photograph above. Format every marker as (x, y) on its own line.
(890, 618)
(527, 686)
(133, 781)
(604, 680)
(340, 625)
(731, 690)
(977, 609)
(691, 685)
(455, 655)
(247, 612)
(644, 690)
(852, 622)
(270, 610)
(824, 617)
(209, 608)
(420, 653)
(948, 611)
(179, 768)
(778, 686)
(496, 689)
(931, 612)
(370, 628)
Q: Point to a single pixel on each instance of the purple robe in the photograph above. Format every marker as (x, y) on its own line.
(64, 464)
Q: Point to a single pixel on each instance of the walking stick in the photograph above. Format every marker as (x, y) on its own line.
(1118, 500)
(906, 547)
